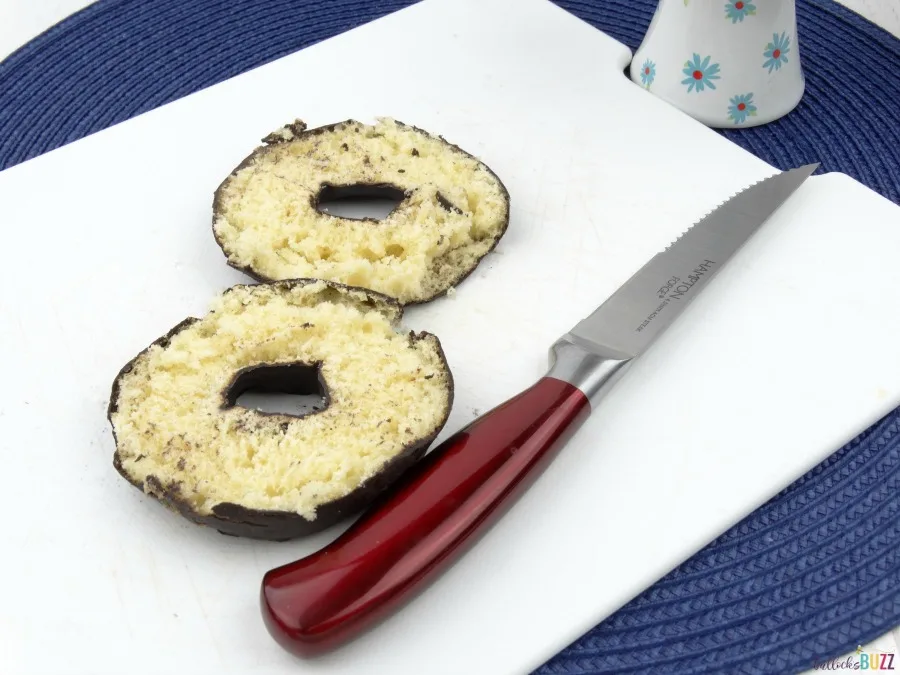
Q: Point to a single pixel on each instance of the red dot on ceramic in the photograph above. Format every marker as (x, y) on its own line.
(698, 75)
(776, 53)
(739, 5)
(742, 106)
(647, 70)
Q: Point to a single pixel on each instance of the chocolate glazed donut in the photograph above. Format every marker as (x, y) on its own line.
(182, 438)
(451, 209)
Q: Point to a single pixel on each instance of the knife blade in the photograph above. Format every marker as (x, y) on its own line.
(421, 524)
(644, 306)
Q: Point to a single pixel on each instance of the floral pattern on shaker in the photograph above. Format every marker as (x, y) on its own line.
(648, 73)
(741, 107)
(736, 10)
(776, 51)
(700, 74)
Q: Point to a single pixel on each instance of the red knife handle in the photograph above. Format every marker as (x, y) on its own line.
(422, 524)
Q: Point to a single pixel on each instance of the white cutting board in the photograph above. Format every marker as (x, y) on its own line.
(107, 244)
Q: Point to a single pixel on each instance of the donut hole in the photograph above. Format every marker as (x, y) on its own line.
(292, 389)
(359, 201)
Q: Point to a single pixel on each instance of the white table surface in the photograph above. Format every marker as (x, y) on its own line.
(22, 20)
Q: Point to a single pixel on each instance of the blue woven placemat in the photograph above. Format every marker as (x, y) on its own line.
(808, 576)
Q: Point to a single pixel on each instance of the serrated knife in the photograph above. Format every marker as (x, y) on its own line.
(426, 520)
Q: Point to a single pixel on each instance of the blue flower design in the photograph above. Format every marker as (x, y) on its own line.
(700, 74)
(776, 51)
(648, 73)
(741, 107)
(736, 10)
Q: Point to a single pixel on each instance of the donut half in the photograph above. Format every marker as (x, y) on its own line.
(269, 221)
(182, 438)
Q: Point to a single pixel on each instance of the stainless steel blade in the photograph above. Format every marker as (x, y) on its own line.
(644, 306)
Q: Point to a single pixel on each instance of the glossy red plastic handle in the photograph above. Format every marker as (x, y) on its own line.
(422, 524)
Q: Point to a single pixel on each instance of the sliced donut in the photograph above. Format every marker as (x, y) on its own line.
(181, 437)
(453, 210)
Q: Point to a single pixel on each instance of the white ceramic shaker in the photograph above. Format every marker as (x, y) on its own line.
(727, 63)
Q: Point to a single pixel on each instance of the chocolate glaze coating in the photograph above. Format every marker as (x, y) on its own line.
(240, 521)
(299, 130)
